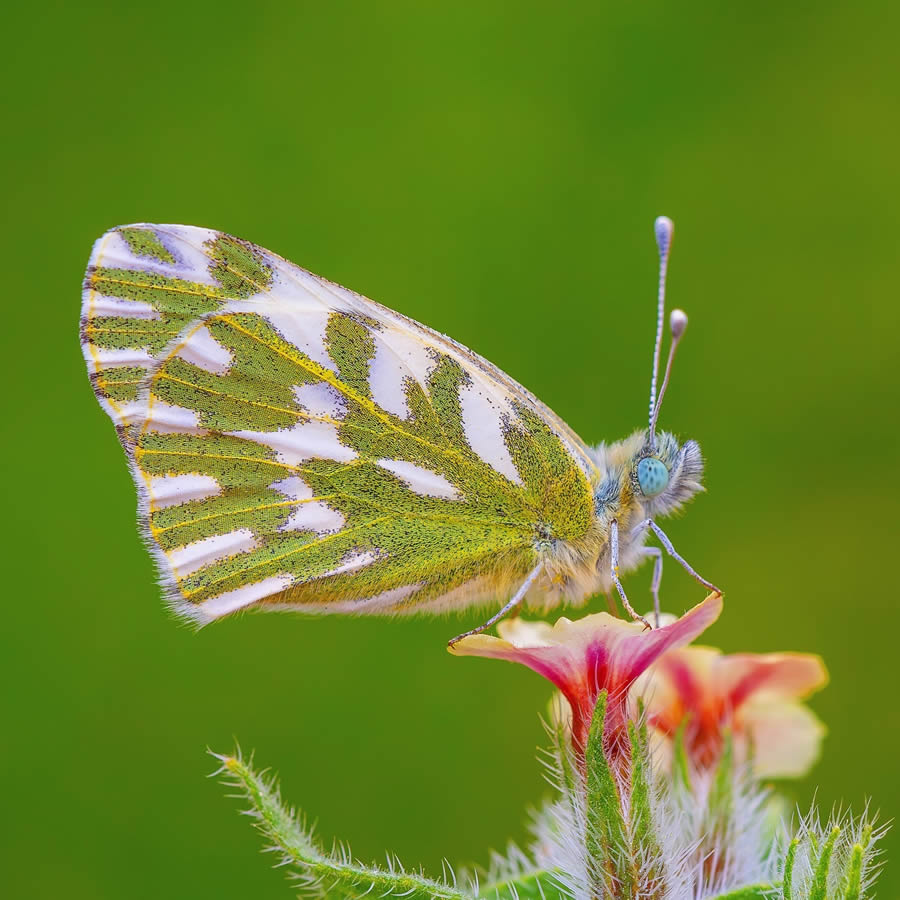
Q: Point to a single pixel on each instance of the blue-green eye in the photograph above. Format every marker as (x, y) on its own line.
(653, 476)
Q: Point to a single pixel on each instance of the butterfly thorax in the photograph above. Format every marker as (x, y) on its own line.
(581, 568)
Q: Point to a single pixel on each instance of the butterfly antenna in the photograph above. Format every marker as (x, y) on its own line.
(677, 324)
(663, 228)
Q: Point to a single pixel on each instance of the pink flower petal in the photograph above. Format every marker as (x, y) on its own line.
(595, 653)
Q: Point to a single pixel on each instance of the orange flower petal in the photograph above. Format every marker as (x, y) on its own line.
(753, 695)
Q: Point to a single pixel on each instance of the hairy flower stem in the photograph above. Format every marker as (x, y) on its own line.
(319, 874)
(625, 860)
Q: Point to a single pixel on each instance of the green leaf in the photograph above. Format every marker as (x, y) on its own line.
(336, 876)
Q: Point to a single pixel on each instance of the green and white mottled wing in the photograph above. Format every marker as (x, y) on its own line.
(296, 445)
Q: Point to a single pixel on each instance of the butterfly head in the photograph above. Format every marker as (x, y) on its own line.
(667, 474)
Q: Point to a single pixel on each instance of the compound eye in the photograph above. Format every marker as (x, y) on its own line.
(653, 476)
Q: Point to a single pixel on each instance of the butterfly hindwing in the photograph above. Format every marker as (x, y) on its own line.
(298, 446)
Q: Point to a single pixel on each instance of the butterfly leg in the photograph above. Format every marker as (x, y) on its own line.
(515, 602)
(670, 549)
(656, 553)
(614, 572)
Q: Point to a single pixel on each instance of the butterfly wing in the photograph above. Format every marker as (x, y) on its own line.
(296, 445)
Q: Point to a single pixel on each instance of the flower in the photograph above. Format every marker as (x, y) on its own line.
(595, 653)
(753, 696)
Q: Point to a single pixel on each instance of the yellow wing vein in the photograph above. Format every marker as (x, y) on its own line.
(325, 375)
(308, 546)
(144, 451)
(227, 396)
(261, 288)
(93, 329)
(237, 512)
(211, 294)
(102, 382)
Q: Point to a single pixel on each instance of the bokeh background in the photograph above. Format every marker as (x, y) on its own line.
(492, 169)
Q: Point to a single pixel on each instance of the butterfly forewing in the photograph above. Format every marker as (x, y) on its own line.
(296, 445)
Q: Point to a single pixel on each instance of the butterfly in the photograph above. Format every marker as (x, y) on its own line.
(298, 446)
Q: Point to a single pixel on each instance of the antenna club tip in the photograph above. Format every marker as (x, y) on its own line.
(664, 228)
(678, 321)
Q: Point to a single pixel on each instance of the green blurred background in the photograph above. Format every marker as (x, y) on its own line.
(492, 169)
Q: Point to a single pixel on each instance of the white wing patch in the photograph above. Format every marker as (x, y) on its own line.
(422, 481)
(305, 440)
(321, 399)
(164, 418)
(102, 305)
(201, 553)
(483, 426)
(191, 263)
(398, 356)
(386, 381)
(173, 490)
(110, 358)
(294, 488)
(130, 412)
(237, 599)
(201, 349)
(354, 562)
(314, 515)
(387, 602)
(310, 515)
